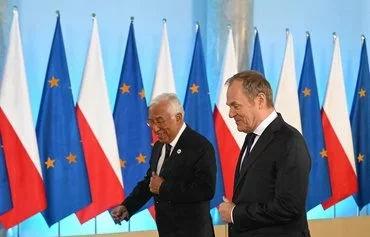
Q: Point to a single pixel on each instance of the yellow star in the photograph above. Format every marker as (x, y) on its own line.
(53, 82)
(360, 158)
(306, 91)
(142, 94)
(362, 93)
(125, 88)
(122, 163)
(194, 88)
(141, 158)
(49, 163)
(71, 158)
(324, 153)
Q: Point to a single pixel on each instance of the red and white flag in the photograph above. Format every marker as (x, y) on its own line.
(164, 80)
(337, 134)
(286, 100)
(19, 138)
(98, 135)
(229, 139)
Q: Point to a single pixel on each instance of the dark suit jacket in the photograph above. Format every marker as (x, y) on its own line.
(270, 190)
(183, 204)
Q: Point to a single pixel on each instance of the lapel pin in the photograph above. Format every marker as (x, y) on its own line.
(178, 151)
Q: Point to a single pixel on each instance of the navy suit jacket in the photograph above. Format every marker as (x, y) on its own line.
(270, 189)
(183, 204)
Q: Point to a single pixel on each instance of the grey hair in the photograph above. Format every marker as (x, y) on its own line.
(172, 100)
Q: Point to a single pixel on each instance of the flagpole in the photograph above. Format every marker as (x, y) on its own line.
(363, 38)
(307, 34)
(287, 32)
(334, 36)
(255, 31)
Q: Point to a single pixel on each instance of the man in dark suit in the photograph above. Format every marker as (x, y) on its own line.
(181, 177)
(271, 177)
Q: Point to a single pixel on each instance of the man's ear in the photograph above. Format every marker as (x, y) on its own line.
(261, 100)
(179, 117)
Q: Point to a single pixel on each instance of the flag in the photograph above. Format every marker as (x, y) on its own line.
(63, 163)
(130, 115)
(19, 138)
(98, 135)
(164, 80)
(257, 62)
(229, 139)
(286, 100)
(5, 195)
(337, 134)
(319, 189)
(198, 109)
(360, 117)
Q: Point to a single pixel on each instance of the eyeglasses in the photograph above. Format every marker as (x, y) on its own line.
(158, 122)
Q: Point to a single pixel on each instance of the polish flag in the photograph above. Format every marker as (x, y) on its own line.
(286, 101)
(229, 139)
(19, 138)
(337, 134)
(164, 80)
(98, 135)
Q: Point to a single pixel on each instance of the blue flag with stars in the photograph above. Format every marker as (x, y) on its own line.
(62, 160)
(5, 195)
(130, 115)
(198, 109)
(319, 188)
(257, 62)
(360, 124)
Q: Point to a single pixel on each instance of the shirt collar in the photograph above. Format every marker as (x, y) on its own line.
(174, 141)
(265, 123)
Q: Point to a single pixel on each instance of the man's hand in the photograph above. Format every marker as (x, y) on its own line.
(155, 183)
(225, 209)
(119, 213)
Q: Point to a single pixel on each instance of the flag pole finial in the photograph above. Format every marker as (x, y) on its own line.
(164, 20)
(57, 12)
(363, 38)
(93, 16)
(229, 26)
(307, 34)
(15, 9)
(196, 26)
(132, 18)
(255, 30)
(287, 31)
(334, 36)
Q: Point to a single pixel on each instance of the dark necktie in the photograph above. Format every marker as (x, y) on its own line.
(249, 139)
(168, 151)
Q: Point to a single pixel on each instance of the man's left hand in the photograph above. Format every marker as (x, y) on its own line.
(155, 183)
(225, 209)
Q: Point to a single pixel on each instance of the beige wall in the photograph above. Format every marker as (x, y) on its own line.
(338, 227)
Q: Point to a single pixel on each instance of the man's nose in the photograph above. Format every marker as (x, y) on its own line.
(231, 113)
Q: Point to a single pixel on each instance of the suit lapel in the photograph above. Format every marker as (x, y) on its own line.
(266, 137)
(176, 153)
(237, 168)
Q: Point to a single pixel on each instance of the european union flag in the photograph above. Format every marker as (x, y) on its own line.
(257, 63)
(360, 124)
(198, 109)
(5, 195)
(319, 188)
(58, 137)
(130, 115)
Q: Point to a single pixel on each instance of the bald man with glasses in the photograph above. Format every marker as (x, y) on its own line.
(181, 177)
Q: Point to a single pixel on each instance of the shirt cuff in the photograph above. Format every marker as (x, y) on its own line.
(232, 219)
